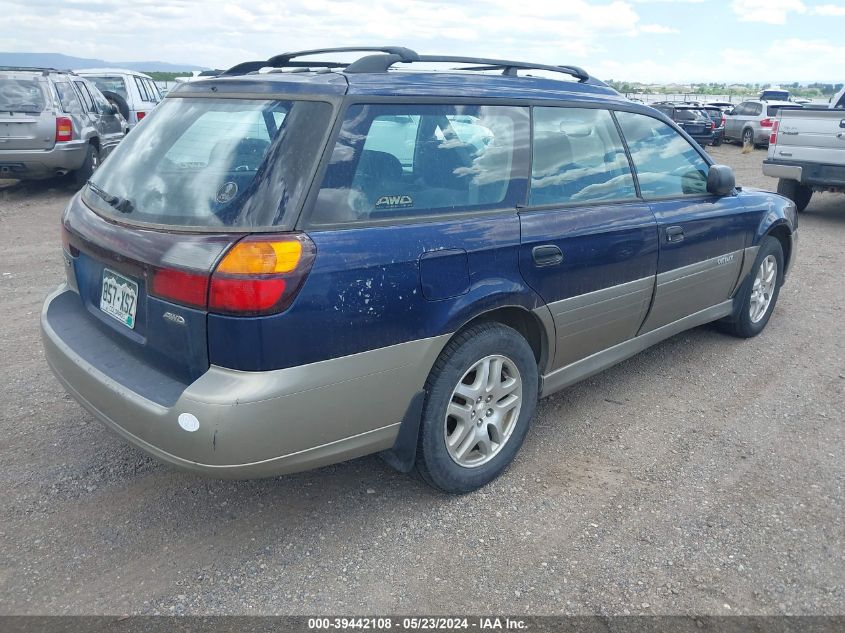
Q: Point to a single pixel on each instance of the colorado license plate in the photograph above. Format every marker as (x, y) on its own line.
(119, 298)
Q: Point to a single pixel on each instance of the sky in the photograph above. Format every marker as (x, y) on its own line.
(630, 40)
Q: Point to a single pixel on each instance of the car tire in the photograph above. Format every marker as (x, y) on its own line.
(748, 137)
(92, 161)
(717, 140)
(119, 102)
(795, 191)
(472, 426)
(756, 299)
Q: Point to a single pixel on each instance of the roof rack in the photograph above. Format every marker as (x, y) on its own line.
(387, 56)
(44, 70)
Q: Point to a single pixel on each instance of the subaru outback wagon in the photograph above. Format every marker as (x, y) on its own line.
(301, 262)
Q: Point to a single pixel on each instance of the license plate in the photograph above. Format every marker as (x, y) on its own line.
(119, 298)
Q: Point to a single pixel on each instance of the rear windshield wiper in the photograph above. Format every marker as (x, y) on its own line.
(124, 205)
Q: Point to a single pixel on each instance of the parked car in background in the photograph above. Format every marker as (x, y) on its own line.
(807, 153)
(53, 123)
(837, 102)
(750, 122)
(134, 93)
(506, 236)
(717, 115)
(775, 93)
(724, 106)
(692, 119)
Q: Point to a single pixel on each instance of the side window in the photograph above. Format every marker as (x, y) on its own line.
(742, 109)
(152, 90)
(757, 109)
(578, 157)
(67, 96)
(142, 89)
(404, 161)
(666, 164)
(87, 101)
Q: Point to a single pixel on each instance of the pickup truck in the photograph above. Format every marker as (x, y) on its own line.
(807, 151)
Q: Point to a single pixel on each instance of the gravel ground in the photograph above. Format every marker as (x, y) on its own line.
(703, 476)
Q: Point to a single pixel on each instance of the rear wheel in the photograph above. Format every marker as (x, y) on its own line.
(92, 161)
(795, 191)
(758, 294)
(481, 396)
(748, 137)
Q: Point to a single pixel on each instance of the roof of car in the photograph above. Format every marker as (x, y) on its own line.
(772, 102)
(110, 71)
(375, 75)
(405, 83)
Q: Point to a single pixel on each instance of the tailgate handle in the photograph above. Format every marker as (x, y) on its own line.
(674, 234)
(547, 255)
(842, 123)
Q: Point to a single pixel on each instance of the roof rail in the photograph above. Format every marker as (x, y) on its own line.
(285, 59)
(39, 69)
(382, 63)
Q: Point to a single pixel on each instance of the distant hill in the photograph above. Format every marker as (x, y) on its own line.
(66, 62)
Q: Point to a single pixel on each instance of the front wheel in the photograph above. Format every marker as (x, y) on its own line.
(481, 397)
(795, 191)
(756, 299)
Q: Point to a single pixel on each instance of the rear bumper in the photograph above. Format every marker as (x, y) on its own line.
(36, 163)
(812, 174)
(254, 424)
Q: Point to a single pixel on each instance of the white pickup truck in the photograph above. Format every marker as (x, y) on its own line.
(807, 151)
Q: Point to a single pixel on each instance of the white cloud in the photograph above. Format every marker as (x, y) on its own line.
(657, 29)
(828, 9)
(787, 59)
(767, 11)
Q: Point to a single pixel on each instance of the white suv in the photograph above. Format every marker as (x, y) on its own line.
(134, 93)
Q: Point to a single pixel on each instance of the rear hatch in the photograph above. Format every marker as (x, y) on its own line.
(811, 135)
(26, 118)
(694, 122)
(190, 216)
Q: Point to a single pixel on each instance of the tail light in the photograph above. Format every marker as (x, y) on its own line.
(258, 275)
(773, 137)
(724, 120)
(64, 129)
(712, 125)
(140, 115)
(767, 122)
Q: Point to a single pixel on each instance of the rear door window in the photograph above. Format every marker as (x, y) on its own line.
(87, 100)
(578, 156)
(666, 164)
(67, 96)
(403, 161)
(142, 89)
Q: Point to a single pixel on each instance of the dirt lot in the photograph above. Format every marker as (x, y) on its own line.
(702, 476)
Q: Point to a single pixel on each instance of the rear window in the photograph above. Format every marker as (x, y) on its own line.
(418, 161)
(109, 83)
(689, 115)
(21, 95)
(204, 163)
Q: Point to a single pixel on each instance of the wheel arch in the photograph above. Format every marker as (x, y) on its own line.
(783, 235)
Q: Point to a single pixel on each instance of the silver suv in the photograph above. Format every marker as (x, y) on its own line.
(53, 123)
(751, 121)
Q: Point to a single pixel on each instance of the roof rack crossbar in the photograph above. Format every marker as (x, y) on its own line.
(285, 59)
(44, 70)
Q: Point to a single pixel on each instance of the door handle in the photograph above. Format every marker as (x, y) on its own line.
(674, 234)
(546, 255)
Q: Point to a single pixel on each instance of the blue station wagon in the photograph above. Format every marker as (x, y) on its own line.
(301, 262)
